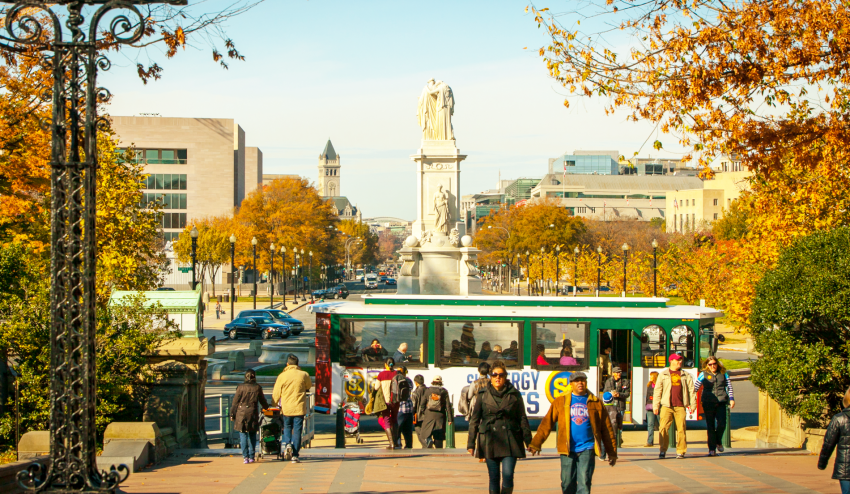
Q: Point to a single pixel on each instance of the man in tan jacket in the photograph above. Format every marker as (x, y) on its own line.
(290, 392)
(674, 394)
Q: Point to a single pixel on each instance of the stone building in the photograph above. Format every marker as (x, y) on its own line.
(329, 184)
(696, 208)
(198, 166)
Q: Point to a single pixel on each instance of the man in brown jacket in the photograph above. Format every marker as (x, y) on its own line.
(674, 394)
(582, 422)
(290, 392)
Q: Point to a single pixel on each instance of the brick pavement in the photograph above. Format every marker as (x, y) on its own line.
(433, 472)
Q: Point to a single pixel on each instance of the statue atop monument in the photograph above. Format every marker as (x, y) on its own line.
(441, 208)
(436, 107)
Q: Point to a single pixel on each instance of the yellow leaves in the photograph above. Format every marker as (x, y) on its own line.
(526, 9)
(657, 145)
(174, 40)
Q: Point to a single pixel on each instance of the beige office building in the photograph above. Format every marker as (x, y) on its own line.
(697, 208)
(198, 166)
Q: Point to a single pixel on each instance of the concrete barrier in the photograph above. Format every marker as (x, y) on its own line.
(255, 348)
(137, 431)
(278, 353)
(238, 360)
(34, 444)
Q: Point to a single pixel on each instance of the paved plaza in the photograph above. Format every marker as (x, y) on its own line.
(327, 470)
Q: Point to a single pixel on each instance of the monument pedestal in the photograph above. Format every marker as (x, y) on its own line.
(438, 268)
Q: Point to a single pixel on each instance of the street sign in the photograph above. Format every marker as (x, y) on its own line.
(184, 270)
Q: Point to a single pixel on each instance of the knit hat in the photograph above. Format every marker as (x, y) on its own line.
(607, 397)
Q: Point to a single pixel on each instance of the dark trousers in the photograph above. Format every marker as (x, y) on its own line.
(508, 465)
(405, 427)
(845, 486)
(577, 472)
(616, 418)
(715, 423)
(292, 432)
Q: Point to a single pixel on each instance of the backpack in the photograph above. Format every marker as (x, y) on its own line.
(435, 400)
(463, 405)
(399, 389)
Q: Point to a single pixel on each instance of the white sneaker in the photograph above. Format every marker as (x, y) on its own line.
(296, 459)
(287, 453)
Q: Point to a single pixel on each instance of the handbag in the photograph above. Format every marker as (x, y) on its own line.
(380, 403)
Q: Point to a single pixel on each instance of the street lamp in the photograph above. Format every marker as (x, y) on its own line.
(310, 274)
(598, 269)
(254, 269)
(283, 272)
(194, 234)
(654, 268)
(303, 295)
(542, 268)
(557, 267)
(518, 273)
(297, 275)
(271, 276)
(625, 263)
(232, 273)
(576, 252)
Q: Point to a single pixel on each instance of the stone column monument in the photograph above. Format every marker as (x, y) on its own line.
(438, 257)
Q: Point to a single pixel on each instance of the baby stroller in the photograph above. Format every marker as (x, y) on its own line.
(352, 421)
(271, 426)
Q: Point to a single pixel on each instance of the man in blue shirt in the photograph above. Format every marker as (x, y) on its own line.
(581, 421)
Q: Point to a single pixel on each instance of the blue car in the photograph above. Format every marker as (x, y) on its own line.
(391, 281)
(278, 316)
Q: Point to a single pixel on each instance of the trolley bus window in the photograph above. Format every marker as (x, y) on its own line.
(564, 345)
(682, 342)
(365, 341)
(653, 347)
(706, 337)
(470, 343)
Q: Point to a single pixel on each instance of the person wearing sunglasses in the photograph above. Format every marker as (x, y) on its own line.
(582, 423)
(716, 396)
(498, 429)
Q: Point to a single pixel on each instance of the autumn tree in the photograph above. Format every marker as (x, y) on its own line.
(365, 252)
(388, 245)
(212, 249)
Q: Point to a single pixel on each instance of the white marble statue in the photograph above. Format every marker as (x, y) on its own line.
(436, 107)
(441, 208)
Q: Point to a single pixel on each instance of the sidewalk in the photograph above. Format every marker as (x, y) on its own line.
(450, 471)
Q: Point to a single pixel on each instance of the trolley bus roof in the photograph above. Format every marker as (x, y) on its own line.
(519, 307)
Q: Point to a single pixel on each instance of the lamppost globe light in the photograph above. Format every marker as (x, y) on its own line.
(194, 233)
(254, 241)
(527, 252)
(232, 239)
(283, 249)
(625, 247)
(654, 243)
(302, 252)
(489, 227)
(576, 250)
(558, 248)
(311, 253)
(542, 249)
(599, 249)
(271, 247)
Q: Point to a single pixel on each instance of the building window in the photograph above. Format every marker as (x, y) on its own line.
(715, 202)
(171, 236)
(165, 181)
(582, 210)
(173, 220)
(168, 201)
(160, 156)
(715, 216)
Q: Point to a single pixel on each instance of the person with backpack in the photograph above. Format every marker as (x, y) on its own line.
(388, 418)
(469, 393)
(418, 399)
(436, 413)
(498, 429)
(403, 388)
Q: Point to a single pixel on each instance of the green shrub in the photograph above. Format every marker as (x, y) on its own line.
(801, 324)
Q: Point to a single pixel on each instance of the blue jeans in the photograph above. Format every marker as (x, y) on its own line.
(845, 486)
(651, 421)
(248, 441)
(292, 432)
(508, 464)
(577, 472)
(405, 427)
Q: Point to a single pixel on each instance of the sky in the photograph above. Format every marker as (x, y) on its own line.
(353, 71)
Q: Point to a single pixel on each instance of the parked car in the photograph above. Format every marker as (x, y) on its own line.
(604, 289)
(339, 291)
(371, 284)
(278, 316)
(165, 289)
(384, 278)
(391, 281)
(252, 327)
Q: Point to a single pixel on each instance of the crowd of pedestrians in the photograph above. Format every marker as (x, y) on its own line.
(587, 425)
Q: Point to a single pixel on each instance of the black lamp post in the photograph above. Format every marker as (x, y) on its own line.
(598, 269)
(283, 273)
(654, 268)
(232, 271)
(542, 270)
(527, 273)
(310, 276)
(518, 273)
(625, 263)
(303, 281)
(575, 271)
(557, 268)
(254, 269)
(271, 276)
(194, 234)
(297, 275)
(294, 286)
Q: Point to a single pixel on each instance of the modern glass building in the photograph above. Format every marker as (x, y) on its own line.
(600, 164)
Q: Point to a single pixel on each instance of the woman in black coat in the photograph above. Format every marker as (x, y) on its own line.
(838, 434)
(245, 415)
(500, 425)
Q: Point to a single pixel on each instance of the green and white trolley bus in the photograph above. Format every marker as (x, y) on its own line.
(543, 340)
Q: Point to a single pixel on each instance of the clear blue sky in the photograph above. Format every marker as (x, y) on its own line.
(353, 71)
